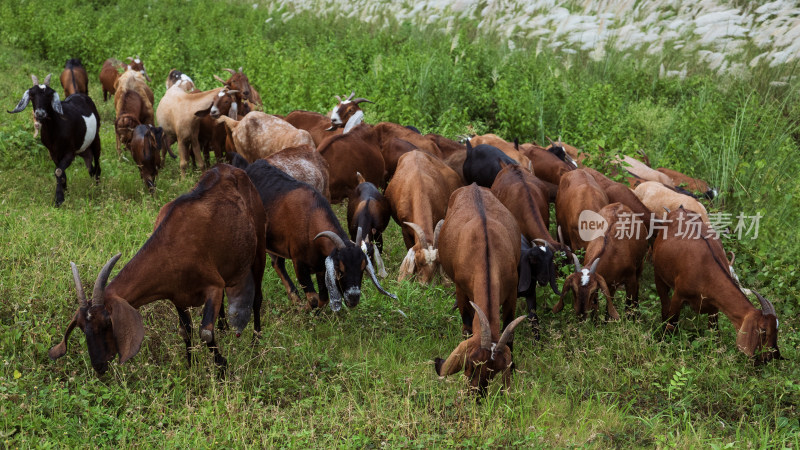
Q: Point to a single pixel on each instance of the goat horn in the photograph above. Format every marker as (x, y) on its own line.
(508, 333)
(594, 265)
(233, 72)
(486, 331)
(550, 140)
(423, 242)
(35, 79)
(577, 263)
(102, 279)
(240, 69)
(733, 256)
(436, 232)
(362, 100)
(358, 235)
(129, 58)
(766, 306)
(352, 93)
(216, 77)
(339, 99)
(333, 237)
(543, 242)
(79, 286)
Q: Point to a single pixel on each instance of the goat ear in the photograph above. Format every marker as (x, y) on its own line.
(56, 104)
(60, 349)
(747, 337)
(23, 102)
(454, 362)
(524, 270)
(204, 112)
(128, 328)
(612, 311)
(330, 282)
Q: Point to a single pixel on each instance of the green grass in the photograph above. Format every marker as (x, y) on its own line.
(364, 377)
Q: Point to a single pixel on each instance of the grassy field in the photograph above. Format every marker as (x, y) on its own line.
(364, 377)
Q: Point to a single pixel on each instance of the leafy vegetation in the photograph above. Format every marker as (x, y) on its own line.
(364, 377)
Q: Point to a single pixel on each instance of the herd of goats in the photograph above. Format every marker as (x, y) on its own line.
(478, 212)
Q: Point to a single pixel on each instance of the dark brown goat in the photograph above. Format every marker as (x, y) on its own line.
(479, 250)
(614, 259)
(546, 165)
(694, 266)
(356, 151)
(74, 78)
(129, 117)
(313, 239)
(418, 195)
(110, 72)
(368, 210)
(202, 264)
(146, 144)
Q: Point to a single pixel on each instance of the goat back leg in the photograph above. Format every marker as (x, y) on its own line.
(258, 297)
(303, 272)
(632, 295)
(185, 331)
(279, 264)
(662, 288)
(183, 153)
(198, 153)
(240, 302)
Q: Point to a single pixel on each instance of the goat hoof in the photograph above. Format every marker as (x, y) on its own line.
(206, 336)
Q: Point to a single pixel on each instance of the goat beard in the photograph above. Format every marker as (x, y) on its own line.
(330, 282)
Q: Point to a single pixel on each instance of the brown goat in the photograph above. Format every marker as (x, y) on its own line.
(691, 184)
(546, 165)
(658, 197)
(211, 133)
(509, 148)
(696, 268)
(479, 249)
(145, 145)
(356, 151)
(74, 78)
(203, 265)
(258, 135)
(577, 192)
(110, 72)
(614, 259)
(618, 192)
(238, 81)
(418, 195)
(133, 103)
(448, 147)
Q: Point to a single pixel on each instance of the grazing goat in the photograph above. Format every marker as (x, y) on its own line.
(387, 131)
(566, 153)
(356, 151)
(392, 152)
(145, 145)
(618, 192)
(68, 128)
(546, 165)
(577, 192)
(418, 195)
(314, 241)
(448, 147)
(368, 210)
(692, 184)
(305, 164)
(482, 164)
(614, 259)
(510, 149)
(259, 135)
(479, 250)
(658, 197)
(695, 268)
(74, 78)
(133, 102)
(203, 265)
(176, 113)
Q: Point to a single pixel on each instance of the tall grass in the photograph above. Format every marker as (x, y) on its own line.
(364, 377)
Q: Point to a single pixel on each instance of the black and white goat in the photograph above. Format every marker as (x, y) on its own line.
(68, 128)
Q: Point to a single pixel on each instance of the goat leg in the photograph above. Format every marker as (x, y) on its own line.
(279, 264)
(307, 284)
(61, 177)
(533, 319)
(185, 331)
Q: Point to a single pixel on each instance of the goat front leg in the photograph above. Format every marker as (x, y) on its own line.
(61, 177)
(185, 331)
(466, 310)
(313, 300)
(279, 264)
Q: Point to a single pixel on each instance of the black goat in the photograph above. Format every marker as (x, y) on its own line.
(483, 163)
(68, 128)
(306, 217)
(536, 266)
